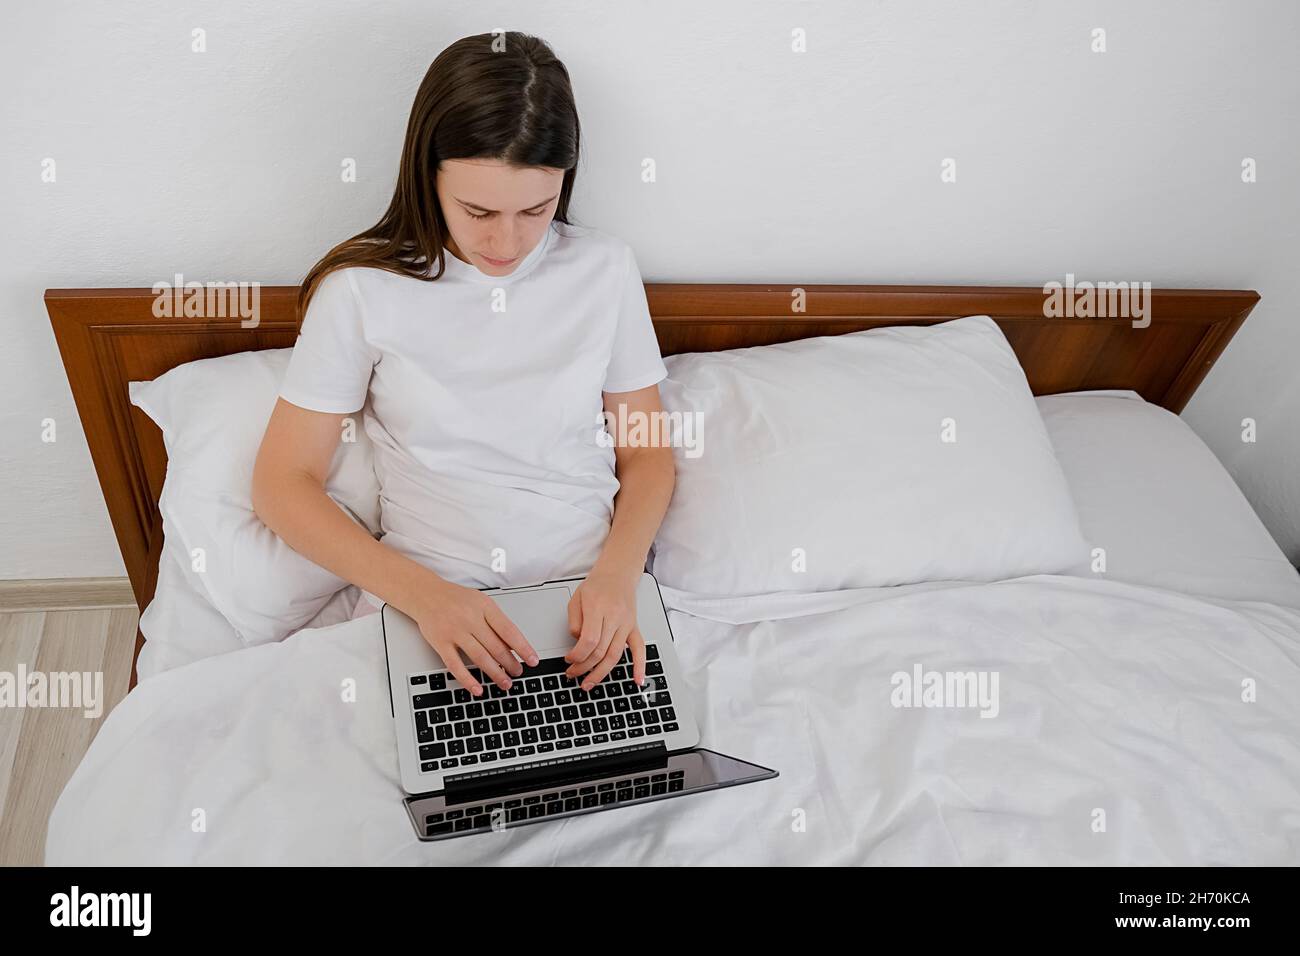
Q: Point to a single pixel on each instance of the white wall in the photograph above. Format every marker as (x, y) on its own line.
(773, 166)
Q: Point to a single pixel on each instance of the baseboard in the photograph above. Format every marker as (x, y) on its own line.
(39, 594)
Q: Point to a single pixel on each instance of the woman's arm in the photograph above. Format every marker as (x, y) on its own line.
(646, 477)
(289, 497)
(602, 613)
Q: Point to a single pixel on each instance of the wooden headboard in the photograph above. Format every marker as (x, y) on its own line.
(109, 337)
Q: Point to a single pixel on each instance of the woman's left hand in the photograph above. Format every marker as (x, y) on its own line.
(602, 616)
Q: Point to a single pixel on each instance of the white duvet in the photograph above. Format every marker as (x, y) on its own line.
(1132, 725)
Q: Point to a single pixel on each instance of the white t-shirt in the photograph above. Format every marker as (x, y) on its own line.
(482, 395)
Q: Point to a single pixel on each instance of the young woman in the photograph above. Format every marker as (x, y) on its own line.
(484, 336)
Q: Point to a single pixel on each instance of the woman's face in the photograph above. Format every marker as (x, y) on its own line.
(495, 211)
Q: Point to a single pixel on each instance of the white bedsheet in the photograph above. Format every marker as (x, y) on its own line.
(1111, 696)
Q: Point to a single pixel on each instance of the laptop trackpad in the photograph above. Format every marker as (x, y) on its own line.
(543, 616)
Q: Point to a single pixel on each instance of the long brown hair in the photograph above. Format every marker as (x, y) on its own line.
(503, 96)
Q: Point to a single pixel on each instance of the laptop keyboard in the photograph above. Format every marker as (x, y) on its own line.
(543, 712)
(478, 817)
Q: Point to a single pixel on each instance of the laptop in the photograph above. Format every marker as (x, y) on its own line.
(545, 749)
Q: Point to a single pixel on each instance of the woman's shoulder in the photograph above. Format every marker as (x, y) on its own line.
(590, 241)
(366, 279)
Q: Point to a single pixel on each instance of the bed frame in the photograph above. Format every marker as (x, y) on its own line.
(109, 337)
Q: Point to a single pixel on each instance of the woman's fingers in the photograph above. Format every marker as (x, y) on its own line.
(591, 660)
(637, 643)
(591, 645)
(617, 643)
(580, 668)
(588, 639)
(494, 645)
(575, 615)
(478, 653)
(450, 655)
(606, 663)
(510, 634)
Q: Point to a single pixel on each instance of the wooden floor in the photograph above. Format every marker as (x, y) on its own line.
(41, 747)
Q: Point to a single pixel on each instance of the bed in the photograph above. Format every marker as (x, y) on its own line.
(1133, 704)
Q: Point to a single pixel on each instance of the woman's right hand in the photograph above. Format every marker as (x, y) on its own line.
(456, 620)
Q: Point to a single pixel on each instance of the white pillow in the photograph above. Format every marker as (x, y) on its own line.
(1154, 497)
(181, 625)
(213, 414)
(831, 451)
